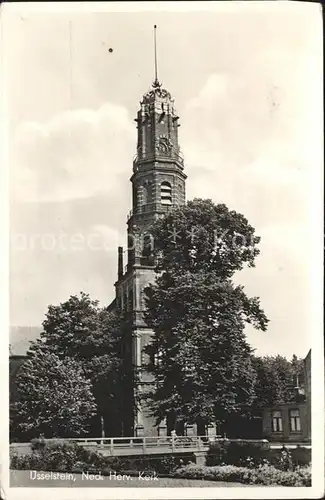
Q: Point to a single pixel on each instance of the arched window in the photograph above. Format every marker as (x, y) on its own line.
(147, 245)
(166, 193)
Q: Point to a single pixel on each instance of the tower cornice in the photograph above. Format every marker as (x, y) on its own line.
(164, 166)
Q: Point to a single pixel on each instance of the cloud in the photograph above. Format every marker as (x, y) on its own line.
(250, 142)
(75, 155)
(251, 135)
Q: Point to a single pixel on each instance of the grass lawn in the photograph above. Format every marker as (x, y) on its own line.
(22, 478)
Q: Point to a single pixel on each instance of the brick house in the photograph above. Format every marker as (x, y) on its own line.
(291, 422)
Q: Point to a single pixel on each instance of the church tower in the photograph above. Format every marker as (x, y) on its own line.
(158, 185)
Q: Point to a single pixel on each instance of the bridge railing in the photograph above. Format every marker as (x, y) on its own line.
(145, 444)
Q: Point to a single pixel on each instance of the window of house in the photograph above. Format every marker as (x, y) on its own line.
(294, 416)
(157, 358)
(166, 193)
(276, 421)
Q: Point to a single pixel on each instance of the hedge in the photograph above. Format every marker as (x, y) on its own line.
(266, 475)
(251, 455)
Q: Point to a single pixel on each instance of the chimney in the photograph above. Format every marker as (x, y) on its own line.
(120, 262)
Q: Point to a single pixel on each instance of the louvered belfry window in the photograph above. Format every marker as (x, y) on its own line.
(166, 193)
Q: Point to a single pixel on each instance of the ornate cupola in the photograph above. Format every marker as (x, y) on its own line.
(157, 124)
(158, 180)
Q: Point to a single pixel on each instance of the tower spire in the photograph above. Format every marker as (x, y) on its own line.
(156, 82)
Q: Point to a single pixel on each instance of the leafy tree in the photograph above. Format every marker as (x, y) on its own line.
(277, 379)
(202, 236)
(298, 371)
(203, 367)
(54, 398)
(80, 330)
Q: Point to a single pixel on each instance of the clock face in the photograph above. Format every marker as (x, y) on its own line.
(165, 144)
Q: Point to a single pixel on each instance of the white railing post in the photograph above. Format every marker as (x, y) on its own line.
(173, 442)
(144, 449)
(111, 446)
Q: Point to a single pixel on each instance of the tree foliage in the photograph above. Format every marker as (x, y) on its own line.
(79, 328)
(55, 397)
(203, 366)
(202, 236)
(80, 331)
(277, 379)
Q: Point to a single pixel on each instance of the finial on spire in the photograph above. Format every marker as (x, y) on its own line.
(156, 82)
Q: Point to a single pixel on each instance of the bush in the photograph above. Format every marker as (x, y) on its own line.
(217, 452)
(285, 462)
(304, 473)
(246, 454)
(161, 465)
(252, 455)
(266, 475)
(38, 444)
(150, 464)
(57, 456)
(242, 453)
(301, 456)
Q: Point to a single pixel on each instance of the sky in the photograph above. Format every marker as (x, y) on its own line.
(246, 80)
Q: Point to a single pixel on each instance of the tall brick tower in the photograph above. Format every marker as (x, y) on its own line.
(158, 185)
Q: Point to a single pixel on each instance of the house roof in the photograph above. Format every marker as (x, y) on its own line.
(308, 357)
